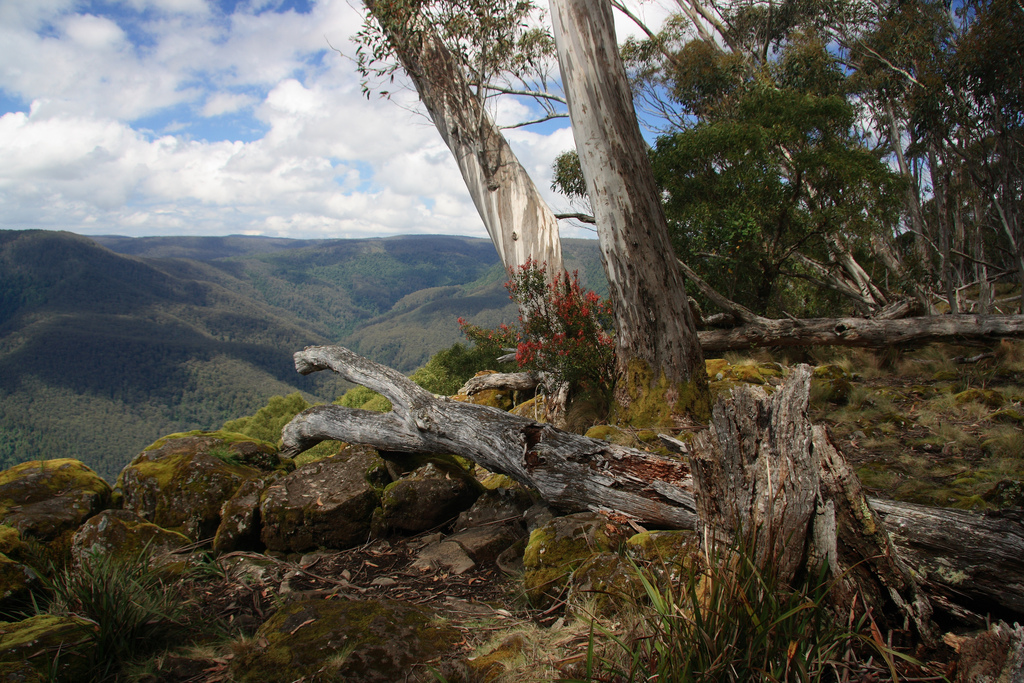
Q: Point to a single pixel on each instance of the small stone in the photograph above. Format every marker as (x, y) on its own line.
(383, 581)
(449, 557)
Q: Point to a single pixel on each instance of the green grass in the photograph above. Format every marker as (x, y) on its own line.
(728, 620)
(137, 609)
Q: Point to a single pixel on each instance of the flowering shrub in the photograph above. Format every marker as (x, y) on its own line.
(564, 331)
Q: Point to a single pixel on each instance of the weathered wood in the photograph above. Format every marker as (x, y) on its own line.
(764, 474)
(864, 332)
(970, 562)
(754, 474)
(570, 471)
(504, 381)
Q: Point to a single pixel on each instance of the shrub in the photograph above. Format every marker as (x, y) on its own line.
(448, 369)
(564, 331)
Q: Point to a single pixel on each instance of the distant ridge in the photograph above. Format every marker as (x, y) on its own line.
(108, 343)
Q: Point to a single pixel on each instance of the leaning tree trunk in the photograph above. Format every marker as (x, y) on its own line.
(652, 321)
(971, 561)
(518, 220)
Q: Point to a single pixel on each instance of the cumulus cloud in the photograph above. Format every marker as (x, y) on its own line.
(171, 117)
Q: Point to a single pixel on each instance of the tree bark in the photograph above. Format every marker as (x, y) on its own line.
(517, 218)
(970, 561)
(763, 474)
(864, 332)
(652, 322)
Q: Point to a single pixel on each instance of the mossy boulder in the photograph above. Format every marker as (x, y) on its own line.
(667, 546)
(534, 409)
(430, 495)
(47, 500)
(182, 481)
(124, 535)
(240, 516)
(832, 384)
(39, 640)
(559, 547)
(16, 582)
(325, 504)
(362, 641)
(11, 543)
(495, 398)
(603, 583)
(988, 397)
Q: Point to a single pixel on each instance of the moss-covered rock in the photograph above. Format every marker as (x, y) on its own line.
(662, 546)
(604, 582)
(429, 496)
(832, 384)
(45, 639)
(558, 547)
(48, 499)
(535, 409)
(987, 397)
(325, 504)
(363, 641)
(239, 527)
(124, 535)
(11, 543)
(16, 582)
(181, 482)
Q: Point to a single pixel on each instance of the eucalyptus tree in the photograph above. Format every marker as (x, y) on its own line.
(656, 341)
(458, 53)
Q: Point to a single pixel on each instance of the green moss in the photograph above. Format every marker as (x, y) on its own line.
(36, 480)
(39, 639)
(557, 548)
(654, 403)
(342, 640)
(220, 435)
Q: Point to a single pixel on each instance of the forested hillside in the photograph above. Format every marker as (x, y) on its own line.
(103, 352)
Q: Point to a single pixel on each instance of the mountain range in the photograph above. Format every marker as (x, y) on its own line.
(107, 343)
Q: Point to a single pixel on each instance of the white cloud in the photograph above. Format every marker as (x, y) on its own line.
(317, 159)
(222, 103)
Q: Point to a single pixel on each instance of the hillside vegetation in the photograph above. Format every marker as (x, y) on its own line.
(102, 352)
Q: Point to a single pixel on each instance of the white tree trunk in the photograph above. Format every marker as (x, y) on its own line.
(517, 218)
(653, 322)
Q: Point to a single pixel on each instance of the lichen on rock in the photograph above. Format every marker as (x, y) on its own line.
(366, 641)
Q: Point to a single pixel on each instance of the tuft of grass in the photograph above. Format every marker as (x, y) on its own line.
(135, 610)
(731, 621)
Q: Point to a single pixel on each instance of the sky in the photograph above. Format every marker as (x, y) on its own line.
(202, 117)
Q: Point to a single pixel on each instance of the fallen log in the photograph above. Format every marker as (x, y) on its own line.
(864, 332)
(574, 473)
(504, 381)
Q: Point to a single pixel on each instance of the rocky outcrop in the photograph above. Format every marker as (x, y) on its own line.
(49, 499)
(364, 641)
(431, 495)
(181, 481)
(327, 504)
(123, 535)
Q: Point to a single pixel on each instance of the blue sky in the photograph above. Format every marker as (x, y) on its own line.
(191, 117)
